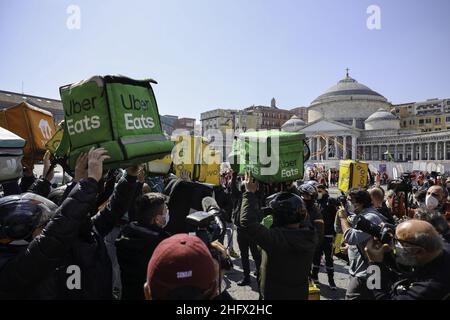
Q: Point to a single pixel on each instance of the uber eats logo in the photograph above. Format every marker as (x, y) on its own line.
(85, 124)
(289, 169)
(129, 102)
(133, 103)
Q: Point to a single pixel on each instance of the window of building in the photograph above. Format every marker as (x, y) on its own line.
(421, 121)
(447, 119)
(437, 120)
(428, 121)
(404, 123)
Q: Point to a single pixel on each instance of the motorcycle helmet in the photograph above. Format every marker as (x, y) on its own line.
(287, 208)
(21, 215)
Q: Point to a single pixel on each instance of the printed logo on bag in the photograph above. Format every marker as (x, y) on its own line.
(288, 169)
(85, 124)
(46, 130)
(135, 103)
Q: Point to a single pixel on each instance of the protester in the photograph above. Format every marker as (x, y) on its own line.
(328, 208)
(287, 247)
(245, 242)
(37, 246)
(436, 219)
(377, 196)
(419, 246)
(308, 193)
(138, 240)
(182, 268)
(362, 205)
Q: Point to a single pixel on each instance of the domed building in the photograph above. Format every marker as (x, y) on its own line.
(351, 121)
(346, 102)
(294, 124)
(382, 120)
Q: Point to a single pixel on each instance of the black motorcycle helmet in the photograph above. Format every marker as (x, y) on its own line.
(288, 208)
(308, 188)
(21, 215)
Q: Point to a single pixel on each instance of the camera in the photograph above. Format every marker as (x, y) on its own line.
(207, 225)
(384, 233)
(403, 184)
(209, 228)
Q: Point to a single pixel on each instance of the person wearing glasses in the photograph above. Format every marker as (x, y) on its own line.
(419, 246)
(360, 203)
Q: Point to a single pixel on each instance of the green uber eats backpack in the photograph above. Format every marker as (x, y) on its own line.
(114, 112)
(272, 156)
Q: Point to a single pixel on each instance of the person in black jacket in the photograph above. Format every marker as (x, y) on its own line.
(377, 196)
(30, 258)
(287, 247)
(137, 242)
(419, 246)
(245, 242)
(328, 208)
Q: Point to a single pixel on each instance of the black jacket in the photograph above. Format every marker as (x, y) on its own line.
(25, 269)
(86, 249)
(183, 196)
(328, 208)
(135, 247)
(430, 282)
(287, 254)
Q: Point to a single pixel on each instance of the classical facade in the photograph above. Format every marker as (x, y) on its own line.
(351, 121)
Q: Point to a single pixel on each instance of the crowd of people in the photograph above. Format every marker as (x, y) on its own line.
(125, 234)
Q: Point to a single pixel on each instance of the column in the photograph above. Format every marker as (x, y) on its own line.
(327, 147)
(354, 156)
(421, 155)
(395, 156)
(428, 151)
(412, 152)
(336, 148)
(436, 151)
(344, 143)
(318, 148)
(445, 150)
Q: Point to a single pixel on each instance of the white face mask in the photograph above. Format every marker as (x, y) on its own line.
(431, 202)
(319, 196)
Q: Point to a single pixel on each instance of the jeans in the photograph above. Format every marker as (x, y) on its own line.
(357, 290)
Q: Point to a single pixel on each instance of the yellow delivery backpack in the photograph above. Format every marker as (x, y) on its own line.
(210, 167)
(192, 154)
(352, 174)
(159, 166)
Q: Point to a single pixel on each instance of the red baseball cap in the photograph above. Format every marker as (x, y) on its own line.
(180, 261)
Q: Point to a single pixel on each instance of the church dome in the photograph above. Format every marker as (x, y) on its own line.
(380, 115)
(293, 124)
(382, 120)
(348, 87)
(346, 102)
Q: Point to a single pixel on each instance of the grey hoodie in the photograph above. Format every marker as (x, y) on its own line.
(358, 239)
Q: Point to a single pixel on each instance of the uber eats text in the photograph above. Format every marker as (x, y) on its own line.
(87, 123)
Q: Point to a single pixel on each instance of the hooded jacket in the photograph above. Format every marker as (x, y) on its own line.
(287, 254)
(135, 247)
